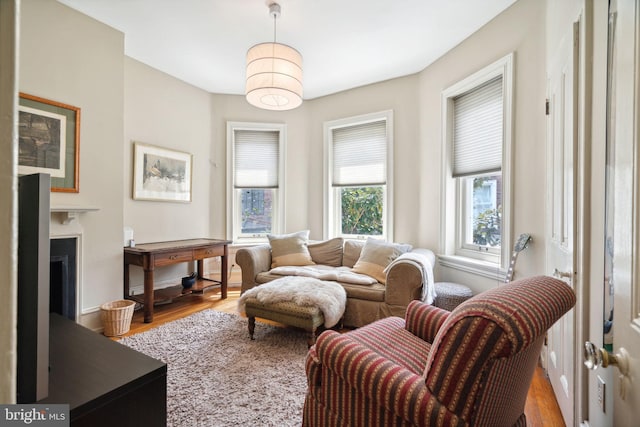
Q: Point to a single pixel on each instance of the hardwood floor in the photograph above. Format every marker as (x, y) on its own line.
(541, 408)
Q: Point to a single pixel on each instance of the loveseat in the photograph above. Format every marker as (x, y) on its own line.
(380, 278)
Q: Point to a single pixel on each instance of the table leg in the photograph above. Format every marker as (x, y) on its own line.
(200, 268)
(148, 296)
(224, 273)
(126, 280)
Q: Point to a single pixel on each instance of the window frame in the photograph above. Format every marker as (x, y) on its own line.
(493, 263)
(234, 198)
(332, 205)
(463, 248)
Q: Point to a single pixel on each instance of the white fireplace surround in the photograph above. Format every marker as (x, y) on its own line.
(69, 213)
(66, 224)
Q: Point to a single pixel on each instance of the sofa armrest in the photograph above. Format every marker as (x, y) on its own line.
(252, 261)
(405, 277)
(424, 320)
(379, 379)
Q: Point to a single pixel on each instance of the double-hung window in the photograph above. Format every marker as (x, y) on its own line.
(357, 187)
(477, 147)
(255, 173)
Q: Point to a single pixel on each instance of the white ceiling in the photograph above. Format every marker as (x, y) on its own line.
(344, 43)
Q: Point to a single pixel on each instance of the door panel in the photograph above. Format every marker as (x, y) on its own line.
(561, 179)
(599, 407)
(623, 103)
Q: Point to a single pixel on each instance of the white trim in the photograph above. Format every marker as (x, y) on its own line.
(329, 225)
(279, 205)
(90, 310)
(480, 268)
(448, 231)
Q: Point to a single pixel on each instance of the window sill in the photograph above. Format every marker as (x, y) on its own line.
(480, 268)
(250, 241)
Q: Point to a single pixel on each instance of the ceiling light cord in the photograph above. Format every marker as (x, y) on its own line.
(275, 18)
(274, 10)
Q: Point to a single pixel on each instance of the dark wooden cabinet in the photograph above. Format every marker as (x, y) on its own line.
(105, 383)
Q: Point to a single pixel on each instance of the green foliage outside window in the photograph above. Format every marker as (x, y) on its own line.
(487, 222)
(487, 227)
(362, 210)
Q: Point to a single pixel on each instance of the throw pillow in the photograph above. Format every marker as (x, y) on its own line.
(290, 249)
(328, 252)
(376, 256)
(352, 250)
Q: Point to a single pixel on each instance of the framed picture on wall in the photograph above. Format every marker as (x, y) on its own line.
(49, 141)
(161, 174)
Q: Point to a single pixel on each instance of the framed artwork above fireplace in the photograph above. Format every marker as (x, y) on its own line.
(49, 141)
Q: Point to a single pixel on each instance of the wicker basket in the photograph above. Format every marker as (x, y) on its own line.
(116, 317)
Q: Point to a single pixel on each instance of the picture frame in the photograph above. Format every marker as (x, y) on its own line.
(49, 141)
(161, 174)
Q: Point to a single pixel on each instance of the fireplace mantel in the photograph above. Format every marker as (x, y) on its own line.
(70, 213)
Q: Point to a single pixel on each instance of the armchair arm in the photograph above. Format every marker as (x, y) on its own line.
(424, 320)
(389, 386)
(253, 260)
(313, 369)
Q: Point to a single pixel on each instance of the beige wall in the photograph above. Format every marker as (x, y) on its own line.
(520, 29)
(163, 111)
(67, 57)
(8, 185)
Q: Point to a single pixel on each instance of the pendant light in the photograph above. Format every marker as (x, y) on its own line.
(274, 73)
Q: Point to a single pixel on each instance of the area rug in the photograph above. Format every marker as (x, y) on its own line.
(217, 376)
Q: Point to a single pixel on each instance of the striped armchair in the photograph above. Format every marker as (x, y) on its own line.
(472, 366)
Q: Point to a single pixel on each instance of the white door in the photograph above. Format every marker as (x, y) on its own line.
(624, 113)
(561, 155)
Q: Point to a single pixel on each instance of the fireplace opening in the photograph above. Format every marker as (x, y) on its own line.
(62, 277)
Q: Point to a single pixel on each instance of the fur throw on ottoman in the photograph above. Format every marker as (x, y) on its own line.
(329, 297)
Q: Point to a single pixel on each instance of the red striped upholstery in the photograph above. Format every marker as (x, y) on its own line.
(424, 320)
(477, 362)
(389, 339)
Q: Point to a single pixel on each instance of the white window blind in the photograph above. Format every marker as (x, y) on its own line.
(477, 133)
(360, 154)
(256, 159)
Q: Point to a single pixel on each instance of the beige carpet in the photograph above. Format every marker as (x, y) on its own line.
(217, 376)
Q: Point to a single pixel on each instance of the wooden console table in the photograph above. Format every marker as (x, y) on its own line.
(152, 255)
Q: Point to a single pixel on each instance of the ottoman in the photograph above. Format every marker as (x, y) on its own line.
(288, 313)
(450, 295)
(303, 302)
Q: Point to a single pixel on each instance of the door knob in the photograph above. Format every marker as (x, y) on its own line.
(560, 274)
(594, 357)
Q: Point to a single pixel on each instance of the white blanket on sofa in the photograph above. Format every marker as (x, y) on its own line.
(329, 297)
(325, 272)
(426, 268)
